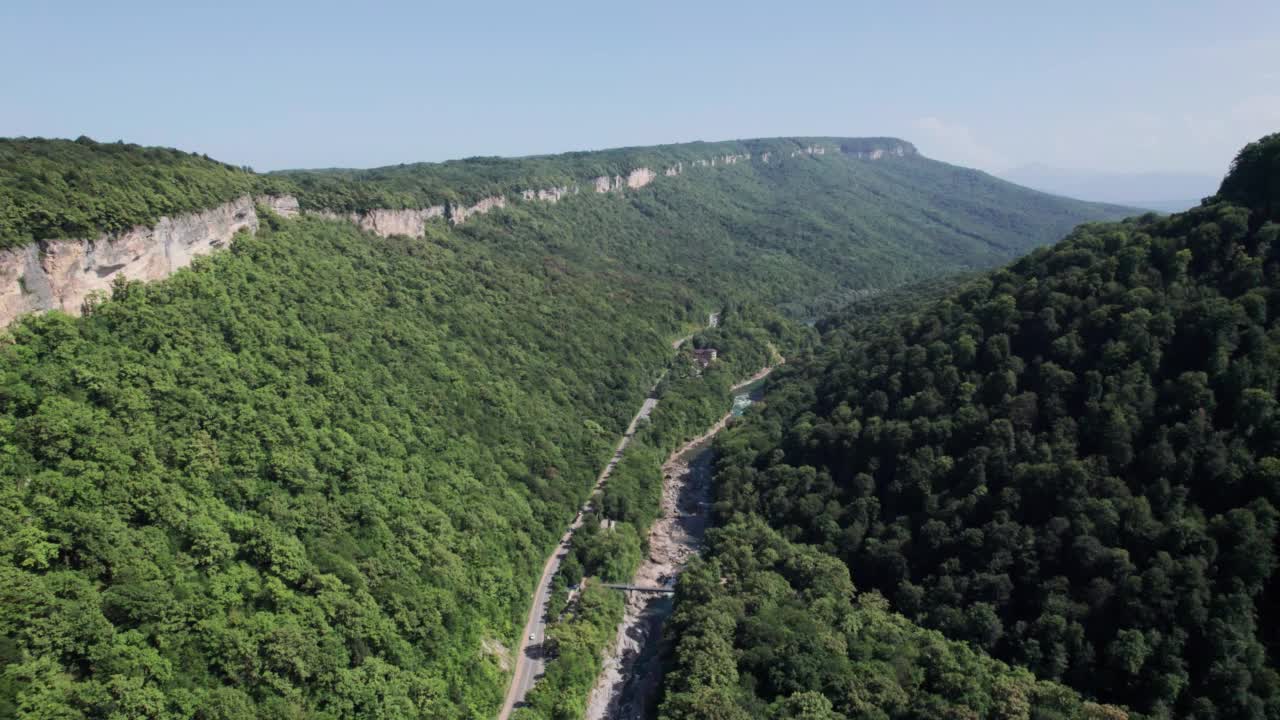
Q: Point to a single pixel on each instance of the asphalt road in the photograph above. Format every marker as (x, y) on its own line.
(529, 662)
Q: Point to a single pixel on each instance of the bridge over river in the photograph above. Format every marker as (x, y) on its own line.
(639, 588)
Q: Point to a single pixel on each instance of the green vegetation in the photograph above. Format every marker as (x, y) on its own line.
(809, 232)
(417, 185)
(78, 189)
(1072, 463)
(312, 475)
(321, 509)
(575, 642)
(768, 628)
(690, 402)
(821, 228)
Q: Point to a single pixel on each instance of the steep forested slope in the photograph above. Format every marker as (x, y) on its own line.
(315, 475)
(767, 628)
(832, 219)
(1072, 463)
(831, 224)
(319, 469)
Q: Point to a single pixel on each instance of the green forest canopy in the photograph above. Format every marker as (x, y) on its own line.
(1072, 463)
(78, 189)
(767, 628)
(313, 474)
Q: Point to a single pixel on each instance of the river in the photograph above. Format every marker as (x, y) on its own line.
(632, 671)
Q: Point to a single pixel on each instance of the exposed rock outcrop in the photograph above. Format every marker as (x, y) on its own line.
(634, 180)
(640, 177)
(459, 214)
(60, 274)
(285, 206)
(386, 223)
(551, 195)
(878, 153)
(809, 150)
(351, 217)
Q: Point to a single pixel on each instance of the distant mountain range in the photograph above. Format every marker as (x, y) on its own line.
(1166, 191)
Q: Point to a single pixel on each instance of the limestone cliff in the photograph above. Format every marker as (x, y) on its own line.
(634, 180)
(285, 206)
(809, 150)
(878, 153)
(551, 195)
(877, 148)
(386, 222)
(62, 273)
(459, 214)
(640, 177)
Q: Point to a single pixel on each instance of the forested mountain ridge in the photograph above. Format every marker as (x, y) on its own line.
(314, 474)
(79, 189)
(59, 195)
(1072, 463)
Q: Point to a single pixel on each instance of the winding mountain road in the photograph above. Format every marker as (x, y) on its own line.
(530, 663)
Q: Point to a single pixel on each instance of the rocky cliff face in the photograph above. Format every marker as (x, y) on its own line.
(634, 180)
(285, 206)
(877, 148)
(385, 222)
(640, 177)
(878, 153)
(61, 274)
(459, 214)
(551, 195)
(809, 150)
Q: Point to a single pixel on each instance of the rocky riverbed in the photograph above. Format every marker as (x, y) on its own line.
(627, 687)
(631, 673)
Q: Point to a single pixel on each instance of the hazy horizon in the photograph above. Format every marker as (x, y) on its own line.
(1106, 88)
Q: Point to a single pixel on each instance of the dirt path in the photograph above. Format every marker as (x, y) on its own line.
(629, 680)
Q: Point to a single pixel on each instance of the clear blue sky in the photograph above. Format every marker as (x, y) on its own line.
(1117, 85)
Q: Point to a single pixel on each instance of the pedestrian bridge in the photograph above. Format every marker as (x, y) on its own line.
(639, 588)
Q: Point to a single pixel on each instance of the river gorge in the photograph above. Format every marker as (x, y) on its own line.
(628, 684)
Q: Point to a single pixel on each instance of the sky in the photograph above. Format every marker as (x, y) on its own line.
(1118, 86)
